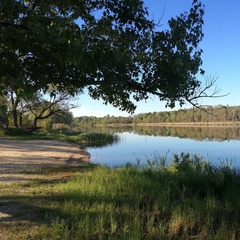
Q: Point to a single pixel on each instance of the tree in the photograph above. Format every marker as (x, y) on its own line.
(41, 108)
(35, 107)
(3, 112)
(59, 120)
(110, 48)
(64, 117)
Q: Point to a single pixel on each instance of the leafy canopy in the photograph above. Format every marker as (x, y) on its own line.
(109, 48)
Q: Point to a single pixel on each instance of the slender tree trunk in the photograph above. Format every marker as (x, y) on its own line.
(34, 126)
(15, 118)
(20, 120)
(4, 123)
(14, 103)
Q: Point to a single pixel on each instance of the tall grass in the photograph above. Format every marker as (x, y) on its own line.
(187, 199)
(89, 139)
(98, 139)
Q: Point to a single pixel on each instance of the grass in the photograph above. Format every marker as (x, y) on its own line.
(98, 139)
(27, 210)
(187, 199)
(89, 139)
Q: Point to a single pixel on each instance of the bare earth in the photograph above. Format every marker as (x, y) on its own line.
(19, 158)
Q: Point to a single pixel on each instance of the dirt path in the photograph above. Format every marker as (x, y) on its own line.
(19, 159)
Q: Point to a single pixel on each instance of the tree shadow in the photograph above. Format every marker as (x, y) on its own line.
(21, 209)
(33, 206)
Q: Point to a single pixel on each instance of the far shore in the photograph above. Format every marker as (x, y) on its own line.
(179, 124)
(192, 124)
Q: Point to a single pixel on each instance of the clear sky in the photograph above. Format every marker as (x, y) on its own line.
(221, 54)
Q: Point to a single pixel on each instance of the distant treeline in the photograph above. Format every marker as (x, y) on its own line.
(218, 113)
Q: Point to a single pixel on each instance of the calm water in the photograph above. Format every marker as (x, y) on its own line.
(133, 148)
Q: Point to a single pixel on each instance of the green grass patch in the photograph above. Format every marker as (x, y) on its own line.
(88, 139)
(28, 210)
(187, 199)
(98, 139)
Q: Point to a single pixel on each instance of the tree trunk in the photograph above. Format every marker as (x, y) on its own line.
(14, 103)
(20, 120)
(34, 126)
(15, 118)
(3, 123)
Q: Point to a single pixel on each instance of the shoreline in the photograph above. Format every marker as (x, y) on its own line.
(192, 124)
(177, 124)
(23, 160)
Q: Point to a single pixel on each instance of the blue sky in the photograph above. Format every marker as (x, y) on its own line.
(221, 54)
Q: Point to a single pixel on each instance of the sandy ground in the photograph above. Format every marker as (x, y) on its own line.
(18, 158)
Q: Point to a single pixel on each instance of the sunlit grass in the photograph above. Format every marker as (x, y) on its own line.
(187, 199)
(90, 139)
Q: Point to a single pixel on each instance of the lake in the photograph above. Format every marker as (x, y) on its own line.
(138, 145)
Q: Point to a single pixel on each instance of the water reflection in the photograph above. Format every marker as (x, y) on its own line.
(198, 133)
(140, 144)
(218, 133)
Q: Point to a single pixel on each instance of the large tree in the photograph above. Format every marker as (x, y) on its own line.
(108, 47)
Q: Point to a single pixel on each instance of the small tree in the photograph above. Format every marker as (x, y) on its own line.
(62, 119)
(41, 109)
(36, 107)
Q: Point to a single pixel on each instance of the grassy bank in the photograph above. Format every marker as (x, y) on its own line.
(89, 139)
(188, 199)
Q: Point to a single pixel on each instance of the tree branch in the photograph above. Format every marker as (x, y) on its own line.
(202, 92)
(16, 26)
(31, 10)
